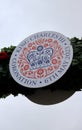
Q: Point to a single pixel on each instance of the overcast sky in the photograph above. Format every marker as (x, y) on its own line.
(19, 19)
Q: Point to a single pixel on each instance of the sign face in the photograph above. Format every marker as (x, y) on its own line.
(41, 59)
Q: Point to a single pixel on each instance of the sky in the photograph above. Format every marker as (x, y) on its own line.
(19, 113)
(18, 20)
(21, 18)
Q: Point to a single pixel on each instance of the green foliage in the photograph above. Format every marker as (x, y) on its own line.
(77, 49)
(9, 50)
(4, 64)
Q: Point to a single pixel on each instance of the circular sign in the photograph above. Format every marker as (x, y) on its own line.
(41, 59)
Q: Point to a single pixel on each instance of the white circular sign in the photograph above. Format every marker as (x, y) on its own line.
(41, 59)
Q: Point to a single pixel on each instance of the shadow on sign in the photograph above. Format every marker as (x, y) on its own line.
(47, 97)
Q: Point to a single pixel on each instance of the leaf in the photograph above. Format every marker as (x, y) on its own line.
(75, 62)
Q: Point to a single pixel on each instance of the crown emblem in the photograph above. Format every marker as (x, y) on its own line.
(40, 58)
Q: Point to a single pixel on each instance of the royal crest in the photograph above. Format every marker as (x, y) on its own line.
(40, 58)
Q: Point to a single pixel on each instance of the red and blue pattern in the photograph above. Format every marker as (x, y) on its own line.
(40, 58)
